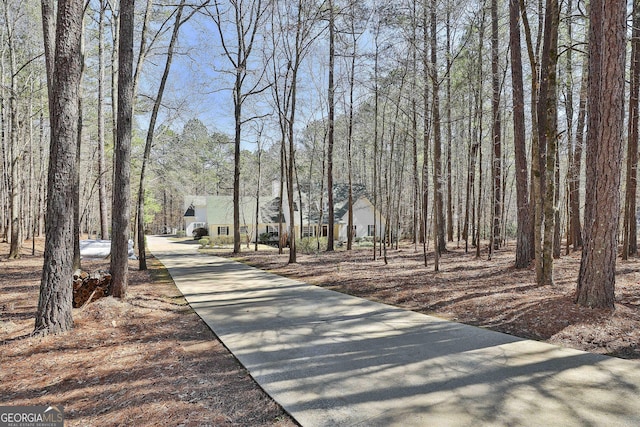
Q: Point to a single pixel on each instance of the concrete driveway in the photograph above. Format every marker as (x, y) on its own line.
(335, 360)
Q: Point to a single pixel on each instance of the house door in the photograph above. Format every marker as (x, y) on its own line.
(325, 230)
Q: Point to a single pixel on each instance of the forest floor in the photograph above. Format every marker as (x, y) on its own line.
(490, 294)
(148, 361)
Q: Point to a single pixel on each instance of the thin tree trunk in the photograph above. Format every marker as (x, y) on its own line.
(352, 77)
(331, 118)
(259, 155)
(547, 131)
(425, 134)
(569, 113)
(142, 254)
(536, 174)
(438, 191)
(449, 130)
(121, 207)
(630, 238)
(14, 155)
(102, 167)
(480, 126)
(524, 249)
(76, 184)
(576, 162)
(496, 169)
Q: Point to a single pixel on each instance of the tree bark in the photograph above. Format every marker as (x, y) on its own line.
(331, 118)
(449, 128)
(438, 191)
(607, 30)
(576, 163)
(524, 247)
(15, 193)
(547, 133)
(55, 300)
(102, 167)
(630, 239)
(496, 169)
(121, 207)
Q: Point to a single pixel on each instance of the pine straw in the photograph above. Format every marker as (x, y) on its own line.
(148, 361)
(490, 294)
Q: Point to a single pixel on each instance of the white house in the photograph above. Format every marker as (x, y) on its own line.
(216, 214)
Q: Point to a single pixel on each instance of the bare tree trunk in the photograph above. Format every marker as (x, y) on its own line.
(376, 112)
(14, 152)
(438, 191)
(352, 77)
(259, 154)
(55, 300)
(425, 134)
(576, 163)
(142, 254)
(121, 208)
(496, 169)
(76, 180)
(607, 43)
(115, 31)
(479, 125)
(569, 113)
(524, 249)
(547, 131)
(102, 168)
(331, 95)
(536, 173)
(414, 126)
(449, 130)
(630, 238)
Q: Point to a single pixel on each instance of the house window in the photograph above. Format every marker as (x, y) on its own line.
(272, 230)
(308, 231)
(371, 230)
(223, 231)
(244, 229)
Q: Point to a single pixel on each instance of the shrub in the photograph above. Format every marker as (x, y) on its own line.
(309, 245)
(204, 242)
(222, 240)
(181, 233)
(200, 232)
(268, 238)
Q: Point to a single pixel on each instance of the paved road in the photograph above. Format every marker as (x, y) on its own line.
(335, 360)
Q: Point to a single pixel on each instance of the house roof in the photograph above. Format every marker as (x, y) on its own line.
(220, 210)
(340, 202)
(269, 210)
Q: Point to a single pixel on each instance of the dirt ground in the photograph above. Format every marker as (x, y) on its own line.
(490, 294)
(149, 361)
